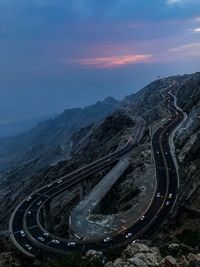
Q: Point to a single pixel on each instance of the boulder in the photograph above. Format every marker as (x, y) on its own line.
(93, 253)
(145, 260)
(109, 264)
(119, 263)
(135, 248)
(169, 261)
(194, 260)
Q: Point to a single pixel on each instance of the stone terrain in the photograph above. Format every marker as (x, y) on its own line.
(143, 255)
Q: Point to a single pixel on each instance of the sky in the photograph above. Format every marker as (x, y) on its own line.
(59, 54)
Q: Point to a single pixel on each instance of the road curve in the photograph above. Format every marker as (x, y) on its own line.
(25, 227)
(34, 239)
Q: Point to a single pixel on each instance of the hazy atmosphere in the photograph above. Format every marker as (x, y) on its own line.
(62, 54)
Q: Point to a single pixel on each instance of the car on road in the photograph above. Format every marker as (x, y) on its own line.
(107, 239)
(39, 203)
(60, 181)
(158, 194)
(170, 195)
(22, 233)
(128, 235)
(142, 218)
(167, 203)
(55, 241)
(46, 234)
(29, 212)
(71, 244)
(49, 185)
(28, 246)
(28, 198)
(41, 238)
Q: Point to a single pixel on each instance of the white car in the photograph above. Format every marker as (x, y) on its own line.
(49, 185)
(28, 246)
(29, 212)
(71, 244)
(107, 239)
(22, 233)
(41, 238)
(167, 203)
(158, 152)
(39, 203)
(55, 241)
(170, 196)
(28, 198)
(142, 218)
(60, 181)
(128, 235)
(46, 234)
(158, 194)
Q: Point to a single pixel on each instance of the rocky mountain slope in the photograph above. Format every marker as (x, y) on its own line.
(90, 141)
(48, 142)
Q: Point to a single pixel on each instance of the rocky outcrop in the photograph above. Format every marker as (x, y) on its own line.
(8, 259)
(141, 255)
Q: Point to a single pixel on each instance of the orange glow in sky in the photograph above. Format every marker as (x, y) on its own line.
(113, 61)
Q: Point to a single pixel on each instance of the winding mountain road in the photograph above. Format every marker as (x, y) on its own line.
(31, 238)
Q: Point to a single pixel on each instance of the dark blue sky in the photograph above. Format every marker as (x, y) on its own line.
(57, 54)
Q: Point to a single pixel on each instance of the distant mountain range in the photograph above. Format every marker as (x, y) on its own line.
(17, 127)
(48, 141)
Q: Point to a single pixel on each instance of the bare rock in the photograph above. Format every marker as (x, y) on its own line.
(109, 264)
(145, 260)
(173, 246)
(134, 249)
(7, 259)
(119, 263)
(194, 260)
(169, 261)
(93, 253)
(183, 262)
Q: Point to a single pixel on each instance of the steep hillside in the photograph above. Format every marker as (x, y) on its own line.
(185, 224)
(48, 142)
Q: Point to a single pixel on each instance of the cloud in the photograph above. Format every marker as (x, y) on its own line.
(174, 2)
(196, 30)
(197, 19)
(113, 61)
(171, 2)
(187, 50)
